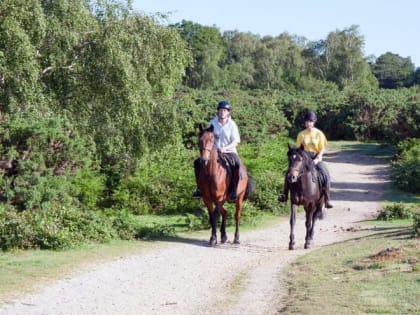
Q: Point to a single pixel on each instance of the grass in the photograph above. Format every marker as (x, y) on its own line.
(377, 272)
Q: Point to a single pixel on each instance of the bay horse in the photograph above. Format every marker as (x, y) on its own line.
(214, 180)
(305, 185)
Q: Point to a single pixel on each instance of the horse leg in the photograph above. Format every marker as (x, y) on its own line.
(293, 209)
(238, 219)
(213, 217)
(223, 236)
(309, 227)
(315, 216)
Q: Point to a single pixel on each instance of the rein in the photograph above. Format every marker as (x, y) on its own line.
(209, 152)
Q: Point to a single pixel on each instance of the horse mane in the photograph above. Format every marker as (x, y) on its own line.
(309, 162)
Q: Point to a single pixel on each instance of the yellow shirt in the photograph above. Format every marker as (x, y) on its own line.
(313, 140)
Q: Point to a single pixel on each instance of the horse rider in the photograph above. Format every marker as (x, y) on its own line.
(313, 141)
(227, 138)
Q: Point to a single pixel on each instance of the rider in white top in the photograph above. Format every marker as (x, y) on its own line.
(226, 132)
(227, 138)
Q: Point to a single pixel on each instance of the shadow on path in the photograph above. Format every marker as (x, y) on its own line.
(370, 190)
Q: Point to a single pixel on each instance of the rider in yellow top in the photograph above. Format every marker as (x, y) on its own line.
(313, 141)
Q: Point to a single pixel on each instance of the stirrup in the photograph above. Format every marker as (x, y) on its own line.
(197, 194)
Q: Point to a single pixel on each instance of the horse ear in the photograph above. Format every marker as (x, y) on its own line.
(289, 147)
(200, 127)
(302, 147)
(211, 128)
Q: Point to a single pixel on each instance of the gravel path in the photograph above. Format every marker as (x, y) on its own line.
(188, 277)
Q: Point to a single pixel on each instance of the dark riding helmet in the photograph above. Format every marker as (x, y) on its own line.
(225, 105)
(310, 116)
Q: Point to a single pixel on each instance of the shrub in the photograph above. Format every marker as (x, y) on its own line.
(161, 184)
(40, 160)
(267, 163)
(406, 171)
(416, 225)
(55, 228)
(395, 211)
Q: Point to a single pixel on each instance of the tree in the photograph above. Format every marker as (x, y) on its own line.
(97, 63)
(239, 64)
(22, 29)
(393, 71)
(340, 59)
(207, 47)
(278, 62)
(417, 76)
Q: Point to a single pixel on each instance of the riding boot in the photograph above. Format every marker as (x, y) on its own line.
(328, 204)
(197, 166)
(283, 197)
(234, 185)
(326, 175)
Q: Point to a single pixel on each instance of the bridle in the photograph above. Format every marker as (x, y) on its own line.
(299, 171)
(206, 149)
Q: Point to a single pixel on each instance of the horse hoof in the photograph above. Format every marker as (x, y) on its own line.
(224, 239)
(212, 242)
(307, 246)
(291, 247)
(236, 241)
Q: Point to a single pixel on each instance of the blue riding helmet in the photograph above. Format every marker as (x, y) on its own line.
(225, 105)
(310, 116)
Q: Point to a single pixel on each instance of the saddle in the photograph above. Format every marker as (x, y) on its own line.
(229, 164)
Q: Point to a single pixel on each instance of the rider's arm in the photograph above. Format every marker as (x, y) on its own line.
(231, 145)
(319, 156)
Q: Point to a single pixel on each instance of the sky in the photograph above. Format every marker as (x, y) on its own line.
(386, 25)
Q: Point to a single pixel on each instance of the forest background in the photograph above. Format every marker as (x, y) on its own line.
(99, 108)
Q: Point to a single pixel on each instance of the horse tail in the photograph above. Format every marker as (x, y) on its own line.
(251, 188)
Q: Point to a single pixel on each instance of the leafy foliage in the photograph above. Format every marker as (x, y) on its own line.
(406, 172)
(55, 228)
(99, 108)
(40, 157)
(393, 71)
(395, 211)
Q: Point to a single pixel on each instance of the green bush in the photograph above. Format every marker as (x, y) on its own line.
(395, 211)
(56, 228)
(44, 161)
(267, 164)
(416, 225)
(406, 170)
(161, 184)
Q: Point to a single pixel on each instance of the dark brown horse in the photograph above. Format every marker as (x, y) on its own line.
(305, 190)
(214, 180)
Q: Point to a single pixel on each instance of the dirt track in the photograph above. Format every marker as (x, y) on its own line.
(189, 277)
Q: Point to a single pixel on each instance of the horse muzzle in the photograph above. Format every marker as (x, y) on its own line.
(292, 177)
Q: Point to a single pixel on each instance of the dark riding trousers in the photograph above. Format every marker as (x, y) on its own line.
(323, 170)
(232, 159)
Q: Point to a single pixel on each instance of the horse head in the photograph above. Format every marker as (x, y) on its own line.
(206, 143)
(300, 162)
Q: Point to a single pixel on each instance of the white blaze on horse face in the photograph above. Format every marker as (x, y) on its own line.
(294, 168)
(206, 144)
